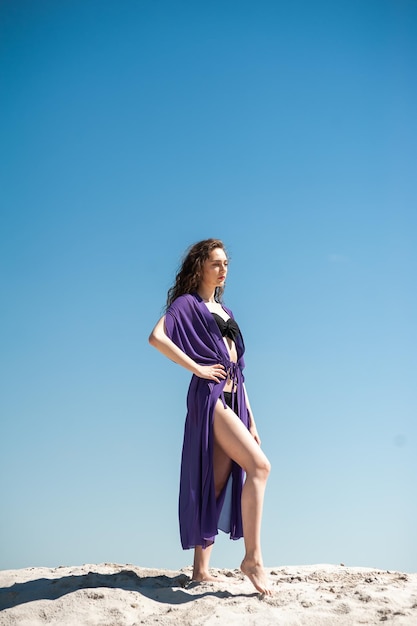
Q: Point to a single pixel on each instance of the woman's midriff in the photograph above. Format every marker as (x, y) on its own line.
(230, 344)
(229, 386)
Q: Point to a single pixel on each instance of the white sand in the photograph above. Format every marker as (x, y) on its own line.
(126, 595)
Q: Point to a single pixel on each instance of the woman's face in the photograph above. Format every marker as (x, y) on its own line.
(215, 269)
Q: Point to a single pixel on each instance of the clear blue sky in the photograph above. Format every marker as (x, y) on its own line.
(131, 129)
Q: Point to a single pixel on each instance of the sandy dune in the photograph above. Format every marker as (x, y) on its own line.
(126, 595)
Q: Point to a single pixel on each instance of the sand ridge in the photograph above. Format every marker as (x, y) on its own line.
(111, 594)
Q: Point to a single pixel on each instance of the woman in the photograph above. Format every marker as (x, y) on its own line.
(221, 442)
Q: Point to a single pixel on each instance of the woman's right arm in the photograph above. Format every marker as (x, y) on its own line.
(160, 340)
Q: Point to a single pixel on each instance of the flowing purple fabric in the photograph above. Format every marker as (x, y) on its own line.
(191, 326)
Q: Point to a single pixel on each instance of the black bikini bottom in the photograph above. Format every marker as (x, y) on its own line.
(228, 396)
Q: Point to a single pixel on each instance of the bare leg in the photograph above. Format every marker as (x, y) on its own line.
(221, 468)
(239, 445)
(201, 564)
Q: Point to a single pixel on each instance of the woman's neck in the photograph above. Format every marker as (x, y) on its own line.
(207, 295)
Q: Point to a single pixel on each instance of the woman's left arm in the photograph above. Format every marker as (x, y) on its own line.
(252, 426)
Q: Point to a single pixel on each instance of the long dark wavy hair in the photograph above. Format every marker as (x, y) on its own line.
(190, 273)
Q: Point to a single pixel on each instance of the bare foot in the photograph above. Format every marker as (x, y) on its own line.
(256, 574)
(206, 577)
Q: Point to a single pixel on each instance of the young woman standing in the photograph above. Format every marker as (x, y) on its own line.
(221, 442)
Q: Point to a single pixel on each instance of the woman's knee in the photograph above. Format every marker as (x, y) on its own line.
(262, 468)
(265, 467)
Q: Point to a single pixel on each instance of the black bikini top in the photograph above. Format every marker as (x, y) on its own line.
(228, 328)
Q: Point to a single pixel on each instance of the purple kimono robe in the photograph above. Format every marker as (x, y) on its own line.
(191, 326)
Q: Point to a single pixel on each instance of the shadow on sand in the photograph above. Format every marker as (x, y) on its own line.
(165, 589)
